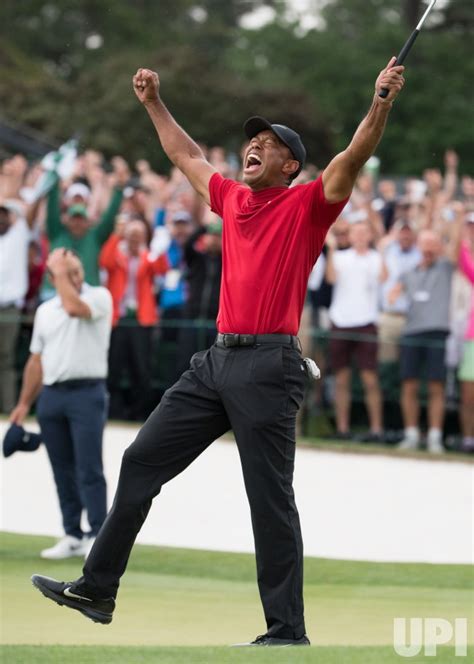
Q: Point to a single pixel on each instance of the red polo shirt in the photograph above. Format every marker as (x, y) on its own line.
(270, 242)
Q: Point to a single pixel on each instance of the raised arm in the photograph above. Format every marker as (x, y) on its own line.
(63, 265)
(179, 147)
(340, 176)
(53, 211)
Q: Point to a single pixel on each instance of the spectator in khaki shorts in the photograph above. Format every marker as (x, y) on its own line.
(423, 345)
(355, 274)
(399, 256)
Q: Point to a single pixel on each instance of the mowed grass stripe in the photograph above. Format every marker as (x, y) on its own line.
(241, 567)
(114, 655)
(161, 604)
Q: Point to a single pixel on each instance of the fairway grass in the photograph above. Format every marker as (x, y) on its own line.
(176, 597)
(149, 655)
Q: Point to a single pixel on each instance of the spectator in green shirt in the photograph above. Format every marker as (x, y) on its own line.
(77, 232)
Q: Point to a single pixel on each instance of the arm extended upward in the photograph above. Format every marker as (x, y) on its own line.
(179, 147)
(340, 176)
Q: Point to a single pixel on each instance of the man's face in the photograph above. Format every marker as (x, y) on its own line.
(360, 236)
(341, 233)
(265, 161)
(388, 189)
(75, 272)
(135, 235)
(180, 231)
(430, 247)
(406, 238)
(77, 225)
(5, 220)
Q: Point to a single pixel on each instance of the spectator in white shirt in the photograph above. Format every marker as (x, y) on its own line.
(67, 368)
(355, 274)
(15, 236)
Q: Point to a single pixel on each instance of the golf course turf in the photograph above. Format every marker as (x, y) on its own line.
(187, 606)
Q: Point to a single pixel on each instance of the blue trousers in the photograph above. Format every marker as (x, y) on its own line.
(72, 417)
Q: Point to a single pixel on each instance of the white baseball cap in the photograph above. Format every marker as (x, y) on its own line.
(78, 189)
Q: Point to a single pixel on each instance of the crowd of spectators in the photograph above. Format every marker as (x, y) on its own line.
(392, 287)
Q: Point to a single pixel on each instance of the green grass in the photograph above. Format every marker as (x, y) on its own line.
(175, 597)
(149, 655)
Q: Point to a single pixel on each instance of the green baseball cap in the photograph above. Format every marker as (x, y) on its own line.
(77, 210)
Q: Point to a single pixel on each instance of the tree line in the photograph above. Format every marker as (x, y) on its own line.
(66, 68)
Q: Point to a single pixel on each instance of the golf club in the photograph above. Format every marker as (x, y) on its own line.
(407, 48)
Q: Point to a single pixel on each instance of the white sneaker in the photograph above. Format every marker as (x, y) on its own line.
(88, 543)
(408, 444)
(67, 547)
(435, 446)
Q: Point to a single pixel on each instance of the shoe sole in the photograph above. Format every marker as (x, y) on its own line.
(95, 616)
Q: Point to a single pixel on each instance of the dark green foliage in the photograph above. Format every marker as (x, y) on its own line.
(214, 74)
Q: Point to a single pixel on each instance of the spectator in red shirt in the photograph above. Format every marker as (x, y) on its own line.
(131, 271)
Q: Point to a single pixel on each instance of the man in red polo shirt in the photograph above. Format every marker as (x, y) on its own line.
(252, 379)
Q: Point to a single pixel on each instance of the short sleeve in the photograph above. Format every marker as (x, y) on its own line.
(219, 189)
(323, 213)
(37, 341)
(99, 301)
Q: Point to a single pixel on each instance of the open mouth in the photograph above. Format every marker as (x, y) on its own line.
(252, 163)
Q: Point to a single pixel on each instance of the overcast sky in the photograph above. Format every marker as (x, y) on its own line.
(304, 10)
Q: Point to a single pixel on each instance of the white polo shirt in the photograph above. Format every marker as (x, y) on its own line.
(71, 347)
(355, 293)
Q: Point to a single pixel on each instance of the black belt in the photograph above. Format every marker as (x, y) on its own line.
(231, 340)
(78, 382)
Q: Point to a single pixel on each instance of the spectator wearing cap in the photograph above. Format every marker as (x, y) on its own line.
(67, 368)
(466, 369)
(423, 345)
(15, 237)
(401, 255)
(78, 193)
(77, 232)
(355, 274)
(203, 260)
(131, 271)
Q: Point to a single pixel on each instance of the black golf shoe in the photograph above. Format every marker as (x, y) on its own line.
(73, 596)
(266, 640)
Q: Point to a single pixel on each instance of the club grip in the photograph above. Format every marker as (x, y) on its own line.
(401, 58)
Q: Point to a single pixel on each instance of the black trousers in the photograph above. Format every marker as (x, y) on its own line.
(256, 391)
(130, 350)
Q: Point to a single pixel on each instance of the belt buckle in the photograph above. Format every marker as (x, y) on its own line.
(247, 339)
(231, 340)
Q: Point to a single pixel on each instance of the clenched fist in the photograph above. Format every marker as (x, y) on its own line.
(392, 79)
(146, 85)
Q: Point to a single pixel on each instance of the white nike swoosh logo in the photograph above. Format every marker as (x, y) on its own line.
(68, 593)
